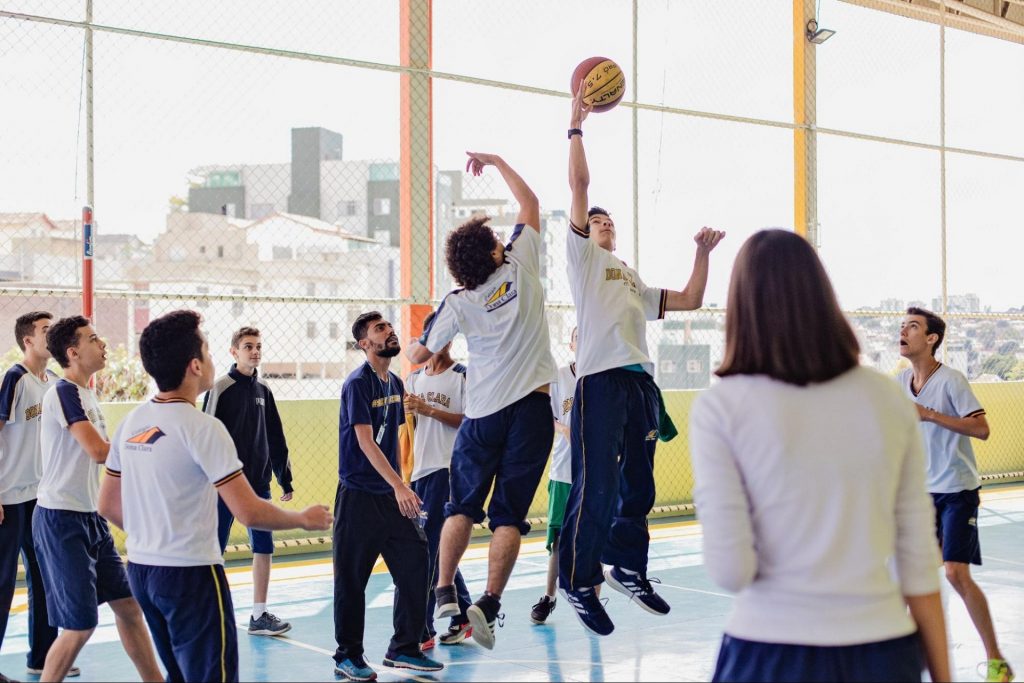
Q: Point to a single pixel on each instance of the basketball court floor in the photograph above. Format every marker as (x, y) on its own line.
(679, 647)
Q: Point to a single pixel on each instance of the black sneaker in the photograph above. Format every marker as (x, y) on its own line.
(268, 625)
(482, 617)
(446, 601)
(637, 587)
(456, 634)
(542, 610)
(589, 611)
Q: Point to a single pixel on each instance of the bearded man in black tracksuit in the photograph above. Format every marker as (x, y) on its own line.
(245, 404)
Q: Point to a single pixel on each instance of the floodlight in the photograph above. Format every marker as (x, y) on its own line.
(818, 35)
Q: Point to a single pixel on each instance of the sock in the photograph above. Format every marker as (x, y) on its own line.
(550, 597)
(258, 609)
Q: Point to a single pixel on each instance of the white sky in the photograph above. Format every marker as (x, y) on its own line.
(164, 108)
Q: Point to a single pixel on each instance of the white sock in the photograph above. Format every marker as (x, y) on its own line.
(551, 597)
(258, 609)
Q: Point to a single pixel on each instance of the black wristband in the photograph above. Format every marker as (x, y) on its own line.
(575, 131)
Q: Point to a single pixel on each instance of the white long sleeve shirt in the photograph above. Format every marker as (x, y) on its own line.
(814, 507)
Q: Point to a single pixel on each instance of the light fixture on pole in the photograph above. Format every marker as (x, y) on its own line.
(818, 35)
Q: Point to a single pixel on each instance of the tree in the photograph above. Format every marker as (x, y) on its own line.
(999, 365)
(124, 378)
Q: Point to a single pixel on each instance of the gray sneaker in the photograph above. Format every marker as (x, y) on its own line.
(268, 625)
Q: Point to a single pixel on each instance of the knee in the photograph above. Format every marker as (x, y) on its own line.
(959, 576)
(76, 638)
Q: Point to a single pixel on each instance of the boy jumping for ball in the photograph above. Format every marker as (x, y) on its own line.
(615, 412)
(505, 438)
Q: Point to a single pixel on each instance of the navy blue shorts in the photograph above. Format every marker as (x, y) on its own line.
(508, 449)
(896, 660)
(956, 520)
(191, 616)
(261, 541)
(80, 566)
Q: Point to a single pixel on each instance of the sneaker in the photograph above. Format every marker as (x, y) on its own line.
(542, 610)
(447, 602)
(589, 611)
(268, 625)
(456, 634)
(414, 662)
(999, 670)
(637, 587)
(355, 669)
(482, 616)
(427, 644)
(72, 673)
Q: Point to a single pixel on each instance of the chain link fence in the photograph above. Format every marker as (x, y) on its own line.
(291, 165)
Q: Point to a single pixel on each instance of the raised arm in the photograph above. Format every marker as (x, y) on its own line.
(529, 207)
(579, 172)
(692, 295)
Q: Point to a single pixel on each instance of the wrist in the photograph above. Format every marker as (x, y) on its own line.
(575, 130)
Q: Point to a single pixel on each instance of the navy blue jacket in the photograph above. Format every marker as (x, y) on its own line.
(246, 407)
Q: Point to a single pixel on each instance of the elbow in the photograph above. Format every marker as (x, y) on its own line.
(983, 434)
(246, 517)
(733, 578)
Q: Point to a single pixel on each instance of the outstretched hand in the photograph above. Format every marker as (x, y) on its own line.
(580, 109)
(707, 239)
(477, 160)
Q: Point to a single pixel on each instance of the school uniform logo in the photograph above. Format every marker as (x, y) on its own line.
(147, 437)
(567, 406)
(501, 295)
(33, 412)
(623, 276)
(652, 435)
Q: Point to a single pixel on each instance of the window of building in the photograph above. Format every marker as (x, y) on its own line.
(202, 249)
(334, 331)
(282, 253)
(220, 252)
(311, 329)
(382, 206)
(238, 303)
(202, 301)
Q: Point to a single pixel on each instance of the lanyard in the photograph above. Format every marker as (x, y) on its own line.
(387, 404)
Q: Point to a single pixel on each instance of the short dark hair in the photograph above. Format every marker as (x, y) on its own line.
(362, 323)
(25, 325)
(783, 319)
(243, 332)
(468, 252)
(429, 318)
(933, 324)
(62, 336)
(597, 211)
(168, 345)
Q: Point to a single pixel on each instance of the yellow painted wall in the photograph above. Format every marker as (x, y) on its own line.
(312, 431)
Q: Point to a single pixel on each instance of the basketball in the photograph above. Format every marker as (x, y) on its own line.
(605, 82)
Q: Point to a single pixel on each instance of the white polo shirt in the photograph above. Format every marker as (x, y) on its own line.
(21, 409)
(951, 463)
(562, 394)
(505, 327)
(171, 457)
(434, 442)
(613, 306)
(70, 478)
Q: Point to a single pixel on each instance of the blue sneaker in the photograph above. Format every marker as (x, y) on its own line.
(355, 669)
(589, 611)
(415, 662)
(637, 587)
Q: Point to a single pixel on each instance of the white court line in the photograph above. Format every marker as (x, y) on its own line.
(313, 648)
(1000, 559)
(697, 590)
